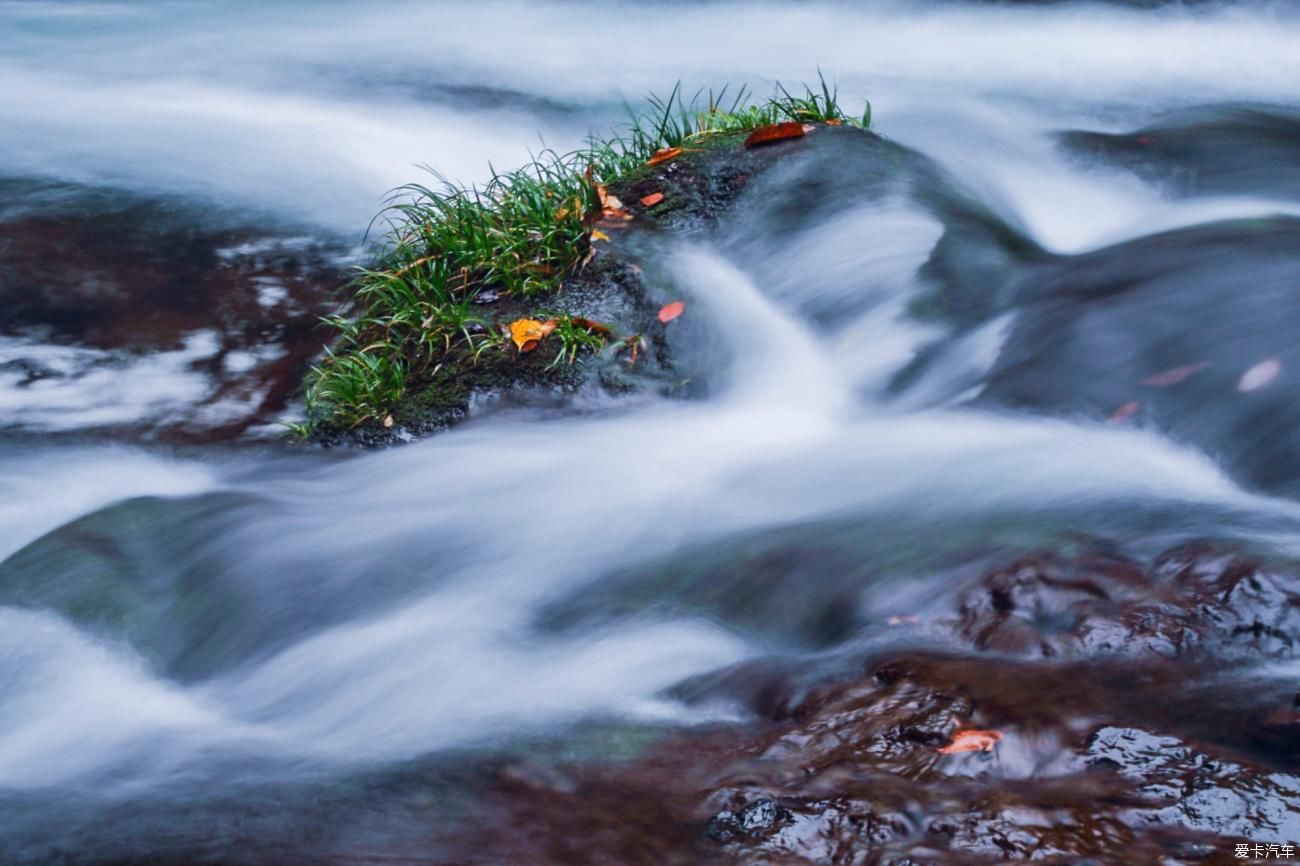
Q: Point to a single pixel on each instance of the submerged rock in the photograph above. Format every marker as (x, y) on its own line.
(1099, 671)
(146, 316)
(1172, 325)
(1207, 150)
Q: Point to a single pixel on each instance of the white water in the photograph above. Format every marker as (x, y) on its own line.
(311, 111)
(499, 519)
(316, 109)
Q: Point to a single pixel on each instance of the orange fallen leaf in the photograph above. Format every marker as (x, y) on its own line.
(526, 333)
(834, 122)
(1125, 412)
(671, 311)
(664, 154)
(598, 235)
(1174, 376)
(610, 206)
(972, 740)
(652, 199)
(1260, 375)
(775, 132)
(548, 326)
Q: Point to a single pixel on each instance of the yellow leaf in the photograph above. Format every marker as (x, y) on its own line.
(574, 208)
(525, 331)
(598, 235)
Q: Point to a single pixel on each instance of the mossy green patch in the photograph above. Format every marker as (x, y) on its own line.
(423, 327)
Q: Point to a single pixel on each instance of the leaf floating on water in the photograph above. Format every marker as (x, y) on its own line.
(1174, 376)
(598, 235)
(527, 333)
(1260, 375)
(671, 311)
(652, 199)
(972, 740)
(664, 154)
(1125, 412)
(775, 132)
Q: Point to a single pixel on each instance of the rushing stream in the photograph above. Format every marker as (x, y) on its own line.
(213, 642)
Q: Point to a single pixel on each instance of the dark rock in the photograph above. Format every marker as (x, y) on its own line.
(1192, 600)
(1098, 331)
(1121, 739)
(1217, 150)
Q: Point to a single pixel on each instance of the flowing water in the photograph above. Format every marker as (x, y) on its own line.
(210, 639)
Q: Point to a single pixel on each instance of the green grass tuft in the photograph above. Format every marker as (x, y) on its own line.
(520, 234)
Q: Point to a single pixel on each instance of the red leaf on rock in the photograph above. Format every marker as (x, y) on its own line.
(1174, 376)
(671, 311)
(775, 132)
(972, 741)
(664, 154)
(652, 199)
(1260, 375)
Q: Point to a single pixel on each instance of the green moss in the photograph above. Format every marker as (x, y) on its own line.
(412, 326)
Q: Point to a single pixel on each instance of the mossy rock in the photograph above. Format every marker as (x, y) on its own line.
(719, 185)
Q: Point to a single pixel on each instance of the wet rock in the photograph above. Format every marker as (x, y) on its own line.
(1122, 740)
(757, 820)
(1192, 601)
(1181, 784)
(145, 316)
(1216, 149)
(734, 196)
(1108, 329)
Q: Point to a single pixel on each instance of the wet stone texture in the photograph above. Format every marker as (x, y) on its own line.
(153, 317)
(1138, 726)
